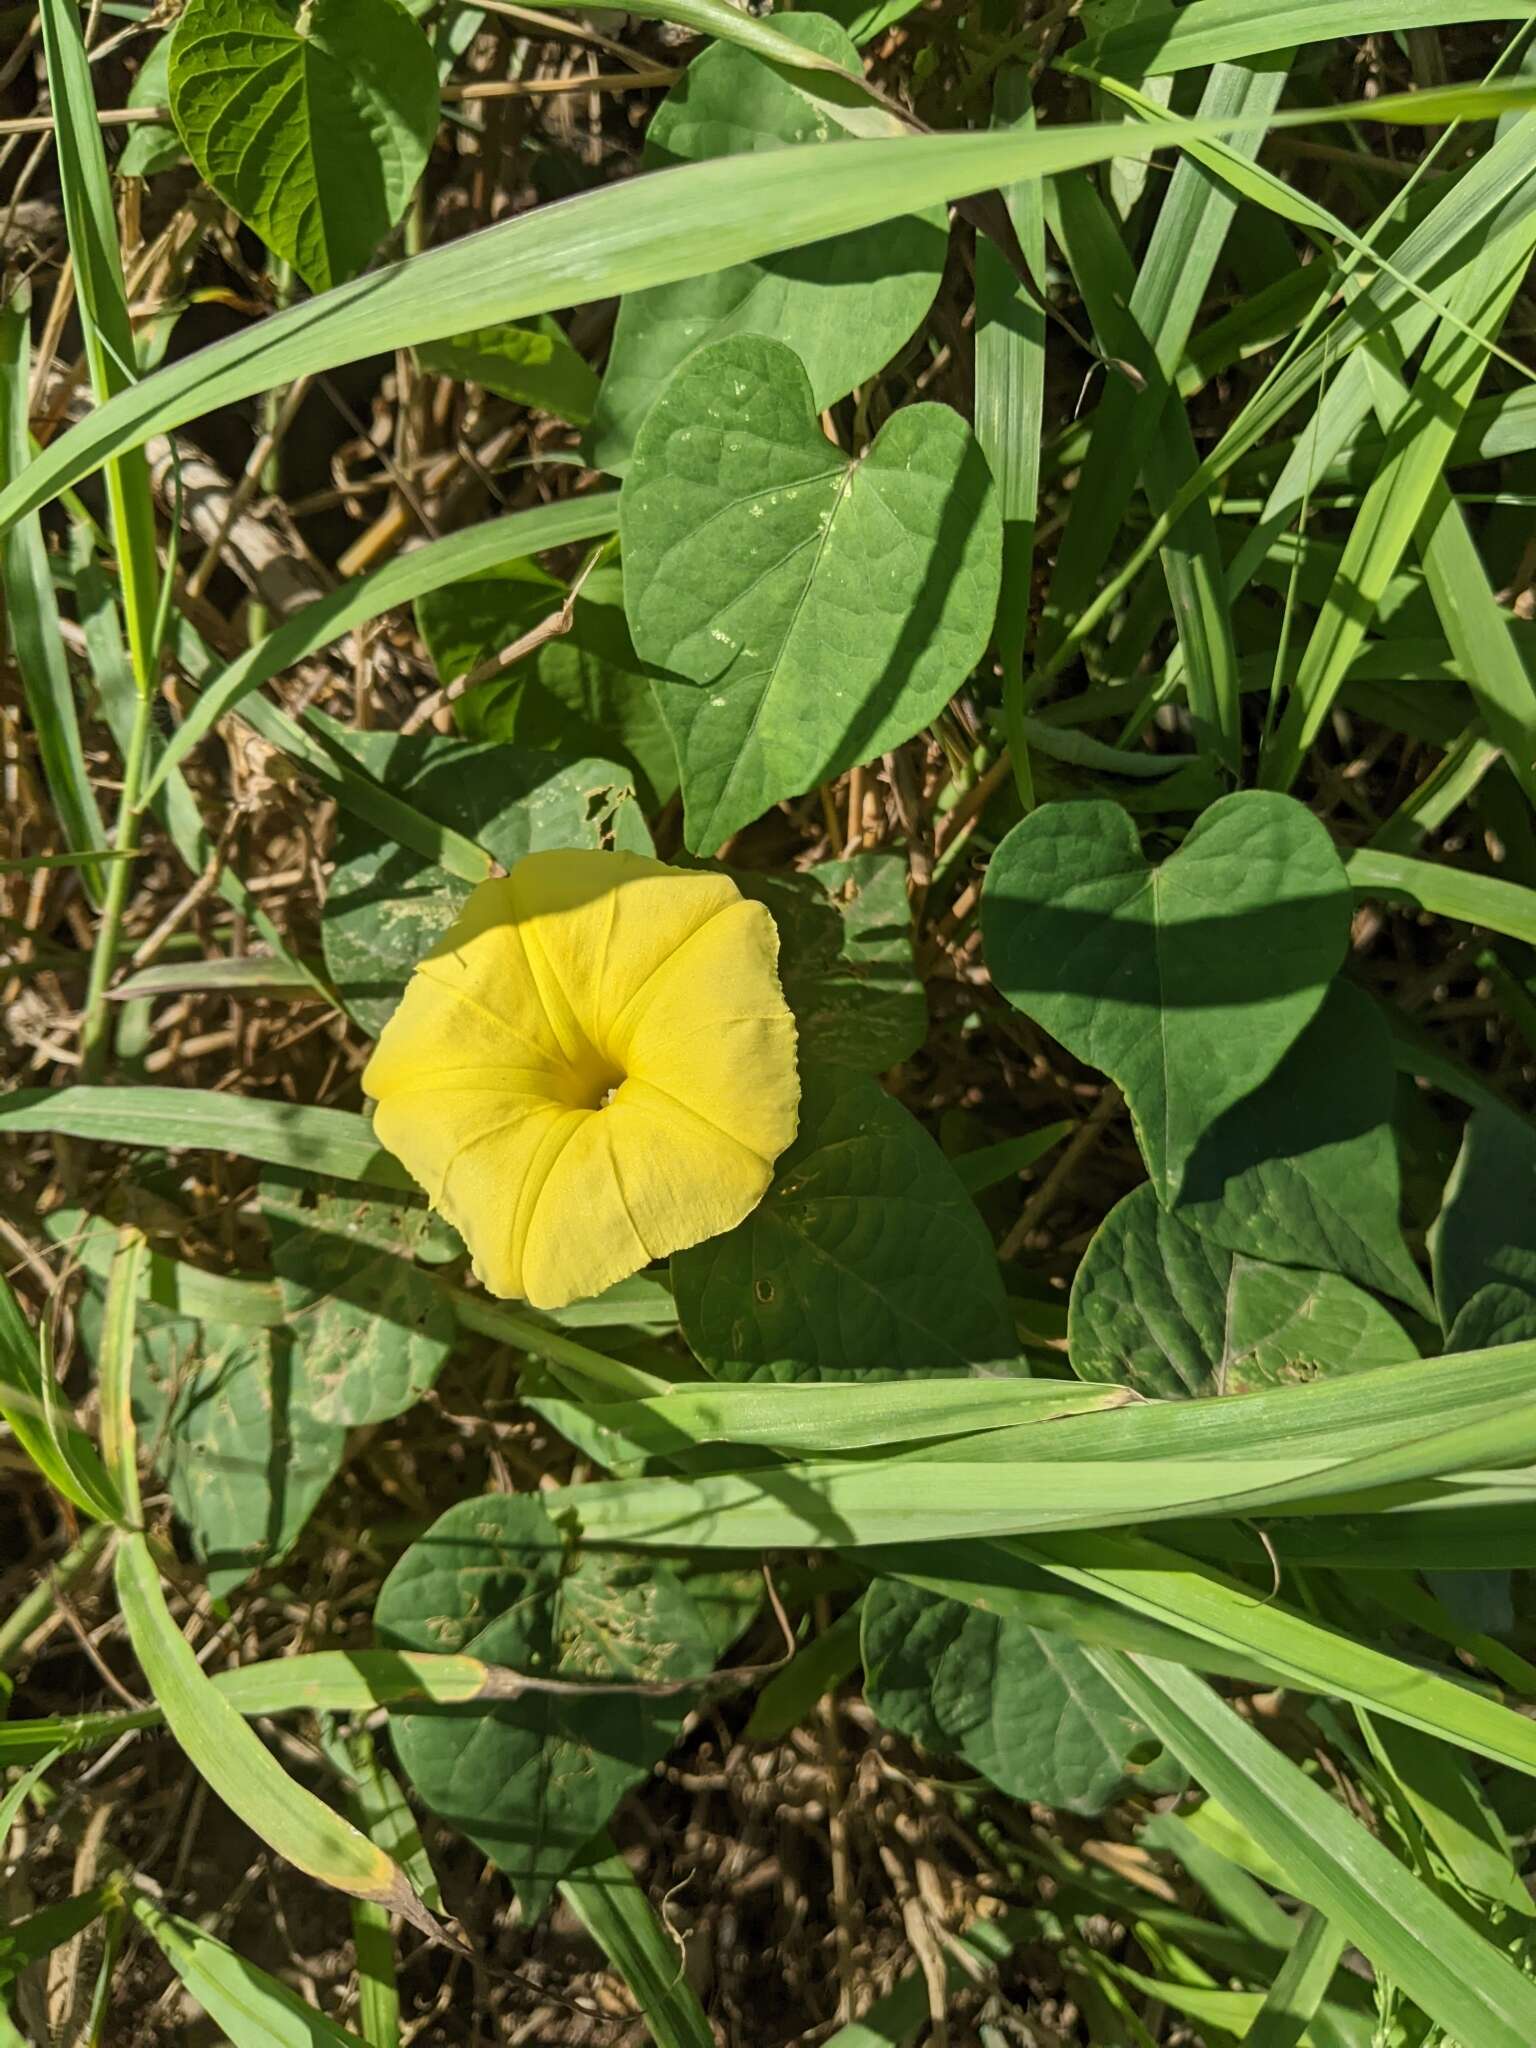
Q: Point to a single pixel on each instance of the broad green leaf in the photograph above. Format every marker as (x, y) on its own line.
(1331, 1860)
(314, 127)
(386, 907)
(818, 609)
(845, 305)
(533, 365)
(1485, 1234)
(1021, 1705)
(532, 1780)
(153, 145)
(250, 2008)
(584, 692)
(1187, 983)
(1162, 1308)
(1304, 1171)
(370, 1328)
(845, 959)
(330, 1141)
(227, 1415)
(866, 1257)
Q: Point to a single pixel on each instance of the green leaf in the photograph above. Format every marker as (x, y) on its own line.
(1483, 1243)
(531, 1781)
(584, 692)
(1304, 1171)
(1159, 1307)
(864, 1258)
(654, 230)
(1149, 42)
(845, 959)
(1331, 1861)
(314, 128)
(371, 1328)
(819, 609)
(645, 1950)
(330, 1141)
(226, 1411)
(154, 145)
(1021, 1705)
(845, 305)
(1188, 982)
(249, 2007)
(533, 365)
(33, 1406)
(387, 907)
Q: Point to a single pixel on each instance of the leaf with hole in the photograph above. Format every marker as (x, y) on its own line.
(1186, 982)
(1159, 1307)
(845, 304)
(532, 1779)
(818, 609)
(387, 906)
(370, 1327)
(1021, 1705)
(865, 1259)
(845, 959)
(314, 125)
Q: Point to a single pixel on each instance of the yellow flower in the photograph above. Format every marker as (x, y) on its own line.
(595, 1067)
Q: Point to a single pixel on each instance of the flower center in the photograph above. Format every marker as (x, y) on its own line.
(591, 1080)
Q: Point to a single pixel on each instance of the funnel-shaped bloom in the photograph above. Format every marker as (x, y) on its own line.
(595, 1067)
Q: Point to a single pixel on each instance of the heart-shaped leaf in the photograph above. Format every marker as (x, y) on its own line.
(866, 1257)
(820, 609)
(312, 122)
(1304, 1171)
(532, 365)
(845, 304)
(1188, 982)
(1021, 1705)
(532, 1779)
(1158, 1307)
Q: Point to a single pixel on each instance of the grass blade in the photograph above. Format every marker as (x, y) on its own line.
(1167, 39)
(1486, 900)
(251, 2008)
(1330, 1860)
(605, 1897)
(32, 617)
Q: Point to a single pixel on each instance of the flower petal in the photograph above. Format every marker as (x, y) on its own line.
(714, 1033)
(639, 1179)
(598, 926)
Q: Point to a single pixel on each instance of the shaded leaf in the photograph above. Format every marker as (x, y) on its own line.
(1304, 1171)
(154, 145)
(865, 1258)
(1483, 1243)
(386, 905)
(533, 365)
(1187, 982)
(531, 1780)
(1161, 1308)
(1021, 1705)
(371, 1328)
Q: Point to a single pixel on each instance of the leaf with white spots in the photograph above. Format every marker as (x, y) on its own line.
(817, 609)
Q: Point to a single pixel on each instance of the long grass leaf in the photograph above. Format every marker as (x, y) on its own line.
(251, 2008)
(606, 1898)
(1156, 41)
(1330, 1860)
